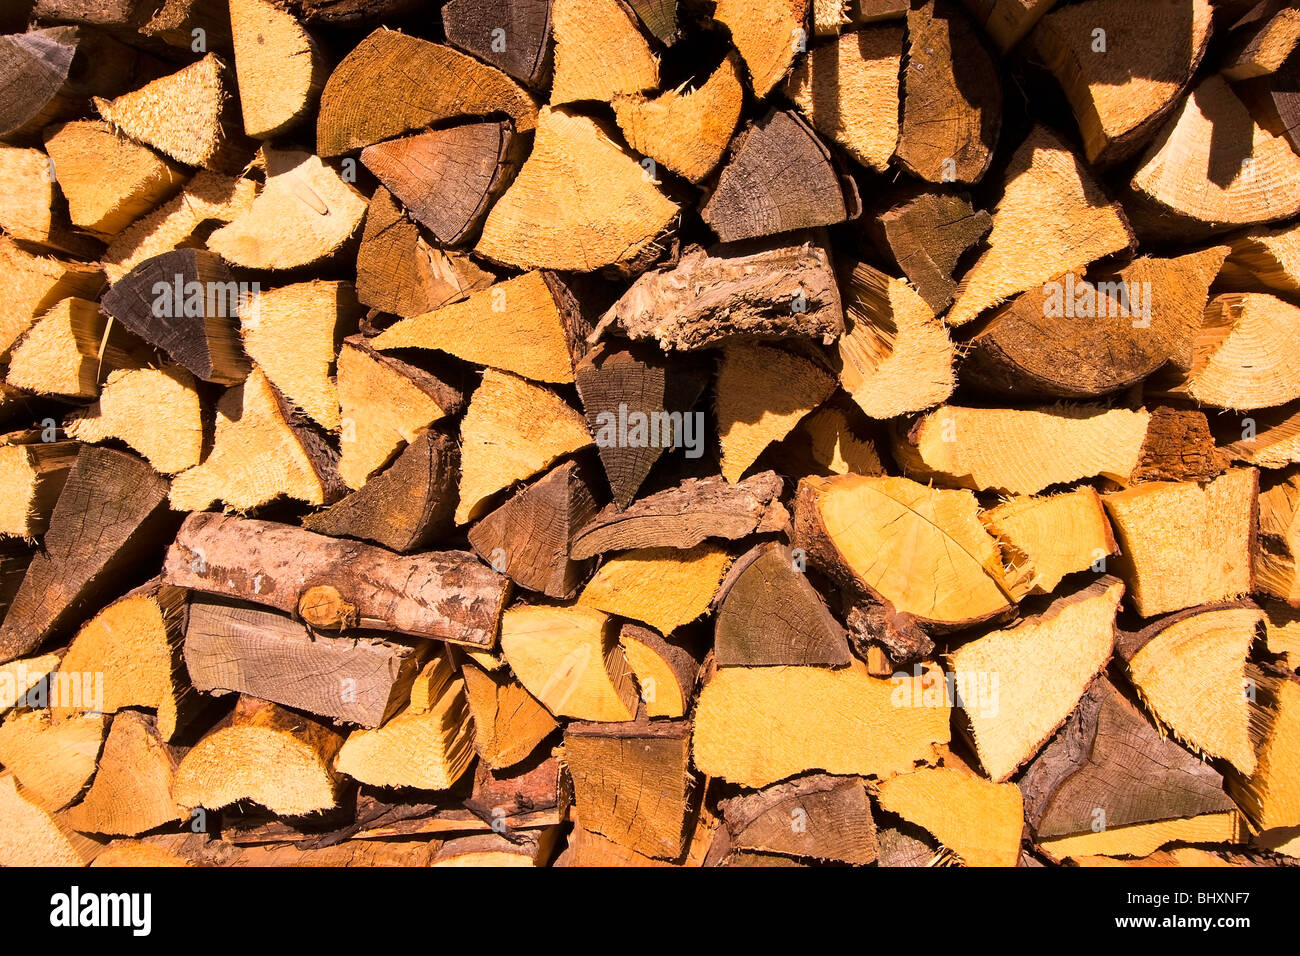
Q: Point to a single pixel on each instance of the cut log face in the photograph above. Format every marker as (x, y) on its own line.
(975, 819)
(817, 817)
(392, 84)
(830, 441)
(69, 349)
(32, 475)
(34, 836)
(512, 431)
(599, 52)
(1109, 758)
(952, 97)
(535, 312)
(1046, 538)
(334, 585)
(1119, 108)
(1022, 452)
(304, 213)
(848, 88)
(157, 412)
(111, 498)
(23, 675)
(686, 131)
(1189, 670)
(1183, 544)
(1271, 32)
(525, 54)
(570, 660)
(896, 356)
(1279, 541)
(762, 393)
(52, 761)
(263, 753)
(1052, 218)
(35, 284)
(780, 177)
(1011, 704)
(509, 723)
(1185, 173)
(1270, 797)
(132, 789)
(34, 212)
(662, 587)
(767, 38)
(108, 180)
(1244, 355)
(943, 566)
(665, 672)
(351, 678)
(1140, 839)
(1267, 439)
(1265, 260)
(446, 178)
(927, 236)
(846, 723)
(710, 299)
(579, 202)
(1282, 633)
(280, 68)
(1005, 21)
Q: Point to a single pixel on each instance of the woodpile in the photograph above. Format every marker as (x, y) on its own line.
(650, 433)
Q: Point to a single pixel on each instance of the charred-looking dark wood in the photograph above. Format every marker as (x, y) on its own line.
(352, 678)
(187, 303)
(780, 177)
(528, 538)
(818, 817)
(927, 236)
(512, 35)
(708, 298)
(684, 516)
(771, 615)
(1109, 757)
(333, 584)
(405, 507)
(1179, 447)
(618, 383)
(110, 522)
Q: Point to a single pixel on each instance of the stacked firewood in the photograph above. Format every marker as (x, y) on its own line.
(649, 433)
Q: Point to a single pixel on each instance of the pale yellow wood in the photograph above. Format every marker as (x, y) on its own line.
(157, 411)
(599, 52)
(662, 587)
(1045, 538)
(978, 820)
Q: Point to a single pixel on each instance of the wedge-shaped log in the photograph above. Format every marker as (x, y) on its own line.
(978, 820)
(662, 587)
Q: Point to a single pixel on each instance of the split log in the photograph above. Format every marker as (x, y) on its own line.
(600, 52)
(447, 178)
(175, 21)
(1278, 543)
(779, 177)
(1109, 766)
(1077, 337)
(306, 212)
(261, 451)
(846, 722)
(528, 538)
(34, 837)
(570, 660)
(709, 299)
(110, 518)
(1184, 544)
(536, 312)
(1021, 452)
(126, 14)
(662, 587)
(632, 783)
(1008, 21)
(665, 672)
(1267, 439)
(1281, 631)
(830, 16)
(767, 38)
(952, 97)
(896, 356)
(333, 584)
(385, 404)
(1263, 41)
(280, 68)
(817, 817)
(685, 516)
(398, 272)
(927, 236)
(686, 131)
(769, 615)
(1052, 218)
(35, 211)
(187, 304)
(69, 350)
(1264, 260)
(580, 202)
(35, 284)
(977, 820)
(509, 723)
(761, 394)
(351, 678)
(1189, 670)
(407, 506)
(1012, 704)
(942, 567)
(156, 411)
(512, 431)
(490, 849)
(525, 52)
(1162, 46)
(132, 789)
(32, 475)
(1045, 538)
(659, 17)
(19, 677)
(392, 83)
(1179, 447)
(293, 334)
(1140, 839)
(261, 752)
(848, 87)
(1270, 797)
(188, 116)
(52, 761)
(103, 205)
